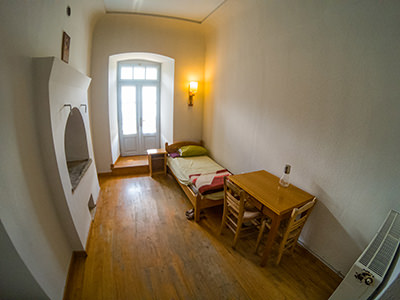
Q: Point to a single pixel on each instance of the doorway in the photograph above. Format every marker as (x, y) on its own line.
(138, 106)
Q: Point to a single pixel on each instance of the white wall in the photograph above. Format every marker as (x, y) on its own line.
(167, 102)
(57, 84)
(113, 108)
(16, 280)
(315, 84)
(179, 40)
(33, 29)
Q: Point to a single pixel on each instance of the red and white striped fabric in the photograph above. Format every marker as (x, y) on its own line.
(209, 182)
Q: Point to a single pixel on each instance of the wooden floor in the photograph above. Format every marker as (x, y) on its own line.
(131, 161)
(143, 247)
(131, 165)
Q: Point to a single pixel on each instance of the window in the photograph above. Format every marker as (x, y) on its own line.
(138, 106)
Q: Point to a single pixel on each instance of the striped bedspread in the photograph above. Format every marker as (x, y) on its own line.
(209, 182)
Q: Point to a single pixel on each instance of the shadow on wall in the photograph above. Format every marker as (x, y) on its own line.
(317, 233)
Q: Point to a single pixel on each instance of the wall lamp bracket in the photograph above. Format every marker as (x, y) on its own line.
(193, 85)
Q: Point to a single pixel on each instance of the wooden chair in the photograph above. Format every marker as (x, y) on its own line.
(238, 211)
(290, 231)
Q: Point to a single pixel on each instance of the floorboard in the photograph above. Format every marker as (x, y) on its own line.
(131, 161)
(143, 247)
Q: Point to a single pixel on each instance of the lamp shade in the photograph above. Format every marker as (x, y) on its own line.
(193, 85)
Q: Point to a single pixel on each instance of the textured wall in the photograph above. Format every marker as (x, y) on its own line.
(314, 84)
(179, 40)
(34, 29)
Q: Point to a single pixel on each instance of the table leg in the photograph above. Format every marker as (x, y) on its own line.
(150, 164)
(270, 239)
(165, 163)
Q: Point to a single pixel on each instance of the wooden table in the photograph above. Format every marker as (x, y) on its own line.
(273, 200)
(157, 161)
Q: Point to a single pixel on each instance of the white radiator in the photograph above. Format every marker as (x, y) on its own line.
(369, 271)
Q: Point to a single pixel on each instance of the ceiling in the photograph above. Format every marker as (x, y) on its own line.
(190, 10)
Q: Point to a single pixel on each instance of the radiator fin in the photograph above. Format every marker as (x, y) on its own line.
(377, 259)
(383, 258)
(395, 231)
(376, 243)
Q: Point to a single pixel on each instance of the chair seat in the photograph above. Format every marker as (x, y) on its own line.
(251, 215)
(238, 210)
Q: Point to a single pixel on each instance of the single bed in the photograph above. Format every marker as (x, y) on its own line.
(186, 170)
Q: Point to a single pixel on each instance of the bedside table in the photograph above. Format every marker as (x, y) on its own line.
(157, 161)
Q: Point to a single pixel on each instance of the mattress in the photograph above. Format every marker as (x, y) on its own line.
(182, 167)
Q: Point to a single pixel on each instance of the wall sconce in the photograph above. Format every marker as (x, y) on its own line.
(192, 91)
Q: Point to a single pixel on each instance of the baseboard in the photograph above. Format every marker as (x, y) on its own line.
(104, 174)
(321, 259)
(79, 253)
(76, 255)
(134, 170)
(89, 236)
(115, 162)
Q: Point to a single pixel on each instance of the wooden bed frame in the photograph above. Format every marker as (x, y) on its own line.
(198, 201)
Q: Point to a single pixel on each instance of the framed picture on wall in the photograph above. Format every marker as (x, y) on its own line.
(66, 40)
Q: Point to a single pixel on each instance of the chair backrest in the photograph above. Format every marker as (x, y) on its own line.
(236, 211)
(234, 197)
(299, 215)
(295, 225)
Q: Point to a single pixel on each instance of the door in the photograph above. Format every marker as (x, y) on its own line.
(138, 106)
